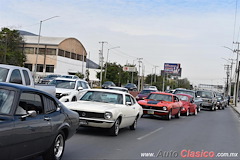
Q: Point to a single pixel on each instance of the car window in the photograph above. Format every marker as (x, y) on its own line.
(3, 74)
(16, 77)
(79, 84)
(31, 101)
(49, 105)
(128, 99)
(84, 85)
(6, 101)
(26, 77)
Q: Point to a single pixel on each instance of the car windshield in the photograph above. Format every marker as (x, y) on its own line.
(183, 98)
(185, 92)
(147, 91)
(3, 74)
(105, 97)
(204, 94)
(6, 100)
(160, 97)
(63, 84)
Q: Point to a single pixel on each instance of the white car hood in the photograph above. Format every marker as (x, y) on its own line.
(90, 106)
(63, 90)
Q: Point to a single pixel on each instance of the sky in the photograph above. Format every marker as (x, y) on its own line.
(194, 33)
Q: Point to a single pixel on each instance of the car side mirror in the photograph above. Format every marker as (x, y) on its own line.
(80, 88)
(128, 103)
(31, 113)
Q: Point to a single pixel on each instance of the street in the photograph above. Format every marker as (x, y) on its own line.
(216, 133)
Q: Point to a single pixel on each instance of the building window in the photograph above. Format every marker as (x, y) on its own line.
(50, 68)
(61, 52)
(28, 50)
(67, 54)
(51, 51)
(40, 68)
(78, 57)
(85, 58)
(42, 50)
(73, 55)
(29, 66)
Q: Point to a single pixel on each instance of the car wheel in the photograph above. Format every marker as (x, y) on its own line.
(55, 152)
(223, 107)
(74, 99)
(178, 114)
(115, 128)
(187, 113)
(199, 108)
(134, 125)
(169, 116)
(212, 108)
(195, 112)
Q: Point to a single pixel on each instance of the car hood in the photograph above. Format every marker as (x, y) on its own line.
(90, 106)
(153, 102)
(63, 90)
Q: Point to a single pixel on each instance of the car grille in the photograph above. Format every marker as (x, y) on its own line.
(152, 107)
(90, 114)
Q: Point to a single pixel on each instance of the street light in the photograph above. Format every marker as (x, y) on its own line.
(35, 69)
(107, 59)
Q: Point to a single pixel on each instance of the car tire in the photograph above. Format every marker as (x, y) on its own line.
(114, 130)
(178, 115)
(169, 116)
(213, 108)
(134, 125)
(55, 152)
(199, 108)
(195, 112)
(187, 113)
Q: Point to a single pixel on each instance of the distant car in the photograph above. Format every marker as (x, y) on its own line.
(131, 87)
(68, 90)
(221, 102)
(152, 87)
(196, 98)
(144, 93)
(33, 123)
(108, 84)
(70, 76)
(209, 99)
(188, 106)
(161, 104)
(119, 89)
(107, 108)
(49, 78)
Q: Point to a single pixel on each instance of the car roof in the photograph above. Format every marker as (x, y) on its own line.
(185, 95)
(69, 79)
(108, 90)
(11, 66)
(163, 93)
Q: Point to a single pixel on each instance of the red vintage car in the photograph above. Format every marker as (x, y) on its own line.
(188, 106)
(161, 104)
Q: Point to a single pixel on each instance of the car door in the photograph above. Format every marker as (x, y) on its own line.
(32, 132)
(176, 105)
(129, 111)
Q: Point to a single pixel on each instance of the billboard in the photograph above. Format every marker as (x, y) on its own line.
(173, 69)
(129, 69)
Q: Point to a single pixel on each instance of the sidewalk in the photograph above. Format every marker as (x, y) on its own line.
(237, 108)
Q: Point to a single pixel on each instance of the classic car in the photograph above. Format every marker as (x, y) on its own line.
(33, 123)
(106, 108)
(188, 104)
(221, 102)
(161, 104)
(209, 99)
(144, 93)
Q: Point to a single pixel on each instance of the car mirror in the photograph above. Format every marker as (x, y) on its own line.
(80, 88)
(31, 113)
(128, 103)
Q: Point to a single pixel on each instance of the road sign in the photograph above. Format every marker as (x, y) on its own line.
(129, 69)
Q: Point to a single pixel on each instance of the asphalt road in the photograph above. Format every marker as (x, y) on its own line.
(210, 132)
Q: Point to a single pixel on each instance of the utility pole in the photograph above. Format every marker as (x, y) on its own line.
(139, 75)
(101, 62)
(236, 86)
(155, 78)
(227, 68)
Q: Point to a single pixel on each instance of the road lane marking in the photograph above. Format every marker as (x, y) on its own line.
(140, 138)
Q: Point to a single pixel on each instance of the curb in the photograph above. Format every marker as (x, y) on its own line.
(235, 109)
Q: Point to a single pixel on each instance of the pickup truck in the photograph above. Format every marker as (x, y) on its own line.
(23, 76)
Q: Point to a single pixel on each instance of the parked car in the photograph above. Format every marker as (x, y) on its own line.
(221, 102)
(23, 76)
(196, 98)
(48, 78)
(161, 104)
(70, 76)
(119, 89)
(106, 108)
(68, 90)
(131, 87)
(33, 123)
(108, 84)
(144, 93)
(209, 99)
(188, 104)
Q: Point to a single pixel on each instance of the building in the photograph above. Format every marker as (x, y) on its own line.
(56, 55)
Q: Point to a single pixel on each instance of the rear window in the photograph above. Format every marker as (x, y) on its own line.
(3, 74)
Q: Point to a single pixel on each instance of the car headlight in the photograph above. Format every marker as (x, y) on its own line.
(108, 115)
(164, 108)
(65, 94)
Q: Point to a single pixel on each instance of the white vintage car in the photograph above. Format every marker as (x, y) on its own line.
(107, 109)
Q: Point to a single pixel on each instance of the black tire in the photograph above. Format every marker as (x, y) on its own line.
(55, 152)
(199, 108)
(195, 112)
(114, 130)
(213, 108)
(134, 125)
(169, 116)
(187, 113)
(178, 115)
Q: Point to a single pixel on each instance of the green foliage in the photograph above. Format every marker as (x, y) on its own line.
(11, 43)
(80, 75)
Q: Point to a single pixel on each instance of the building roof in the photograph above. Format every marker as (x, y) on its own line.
(43, 40)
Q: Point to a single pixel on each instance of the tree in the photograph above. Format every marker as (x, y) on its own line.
(10, 47)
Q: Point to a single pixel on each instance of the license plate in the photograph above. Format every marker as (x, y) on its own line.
(150, 112)
(83, 122)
